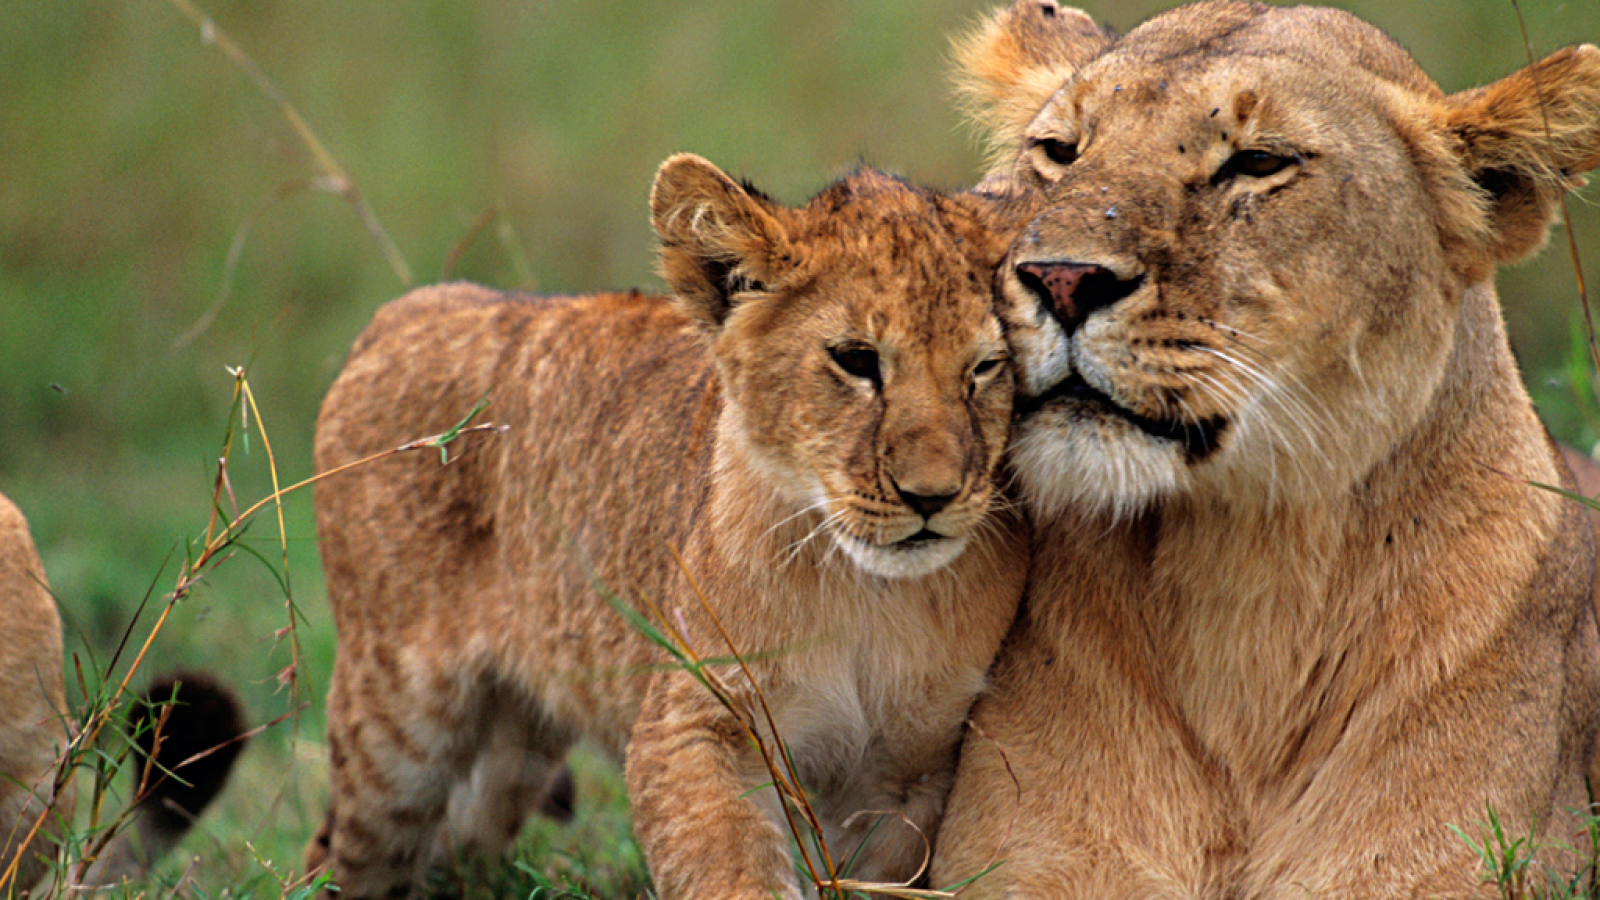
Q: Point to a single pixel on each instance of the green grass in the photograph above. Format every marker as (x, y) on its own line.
(1514, 861)
(144, 177)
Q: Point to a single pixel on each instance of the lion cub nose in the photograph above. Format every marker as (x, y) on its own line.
(926, 505)
(1071, 291)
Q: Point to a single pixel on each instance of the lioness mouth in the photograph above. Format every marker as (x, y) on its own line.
(1198, 439)
(924, 536)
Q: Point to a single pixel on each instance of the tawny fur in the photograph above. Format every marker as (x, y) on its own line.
(1010, 64)
(1293, 610)
(475, 643)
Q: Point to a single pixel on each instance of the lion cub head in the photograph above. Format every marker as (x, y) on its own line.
(859, 355)
(1249, 230)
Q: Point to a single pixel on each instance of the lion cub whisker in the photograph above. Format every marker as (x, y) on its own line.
(799, 513)
(822, 527)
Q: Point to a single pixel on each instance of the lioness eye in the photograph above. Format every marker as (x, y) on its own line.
(858, 360)
(1057, 151)
(1256, 164)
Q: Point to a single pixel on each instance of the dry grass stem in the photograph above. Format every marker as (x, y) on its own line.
(1011, 823)
(222, 533)
(331, 176)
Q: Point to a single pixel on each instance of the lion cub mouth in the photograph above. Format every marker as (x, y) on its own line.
(912, 556)
(1198, 439)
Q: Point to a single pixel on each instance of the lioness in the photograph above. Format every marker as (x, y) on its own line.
(814, 418)
(1292, 612)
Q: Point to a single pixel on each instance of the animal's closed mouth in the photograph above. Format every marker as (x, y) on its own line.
(924, 538)
(1198, 439)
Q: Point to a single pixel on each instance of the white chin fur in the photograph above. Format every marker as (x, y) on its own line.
(1100, 466)
(1045, 348)
(897, 561)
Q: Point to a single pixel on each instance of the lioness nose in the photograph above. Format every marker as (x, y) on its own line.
(1071, 291)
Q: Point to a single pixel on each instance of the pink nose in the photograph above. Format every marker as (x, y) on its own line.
(1057, 284)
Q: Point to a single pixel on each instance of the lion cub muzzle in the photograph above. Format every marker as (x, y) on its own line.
(931, 495)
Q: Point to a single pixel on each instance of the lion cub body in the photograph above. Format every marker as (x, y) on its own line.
(1294, 611)
(813, 468)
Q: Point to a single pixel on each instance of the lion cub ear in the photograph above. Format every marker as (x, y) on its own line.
(1525, 140)
(718, 238)
(984, 225)
(1010, 64)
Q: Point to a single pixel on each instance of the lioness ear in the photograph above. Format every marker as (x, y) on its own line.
(717, 238)
(1010, 64)
(1526, 139)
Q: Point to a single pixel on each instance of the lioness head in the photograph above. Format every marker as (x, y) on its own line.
(1248, 232)
(860, 358)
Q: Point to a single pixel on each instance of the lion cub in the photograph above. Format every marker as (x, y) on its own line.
(197, 713)
(33, 703)
(814, 419)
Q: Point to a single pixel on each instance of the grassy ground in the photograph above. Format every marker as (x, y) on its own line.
(161, 221)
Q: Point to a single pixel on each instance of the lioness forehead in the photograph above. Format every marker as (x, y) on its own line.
(1236, 34)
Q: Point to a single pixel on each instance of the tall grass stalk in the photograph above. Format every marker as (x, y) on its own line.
(817, 859)
(105, 751)
(330, 175)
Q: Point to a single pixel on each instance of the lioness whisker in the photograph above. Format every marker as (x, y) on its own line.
(1287, 397)
(1235, 334)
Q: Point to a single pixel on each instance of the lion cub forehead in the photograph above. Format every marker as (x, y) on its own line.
(870, 204)
(894, 251)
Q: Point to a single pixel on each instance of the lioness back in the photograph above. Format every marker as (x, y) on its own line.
(811, 422)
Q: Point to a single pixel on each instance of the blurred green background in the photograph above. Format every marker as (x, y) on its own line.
(159, 223)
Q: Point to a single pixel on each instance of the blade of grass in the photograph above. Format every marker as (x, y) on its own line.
(332, 176)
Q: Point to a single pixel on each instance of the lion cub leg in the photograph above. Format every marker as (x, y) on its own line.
(429, 769)
(518, 772)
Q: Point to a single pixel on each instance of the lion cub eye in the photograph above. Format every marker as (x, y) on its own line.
(1255, 164)
(988, 367)
(857, 360)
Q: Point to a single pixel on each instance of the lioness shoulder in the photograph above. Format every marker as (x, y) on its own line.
(812, 423)
(1288, 620)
